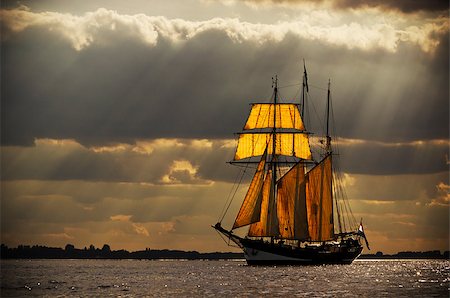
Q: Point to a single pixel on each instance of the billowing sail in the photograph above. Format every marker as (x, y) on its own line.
(251, 206)
(319, 201)
(291, 138)
(287, 116)
(289, 144)
(268, 223)
(291, 204)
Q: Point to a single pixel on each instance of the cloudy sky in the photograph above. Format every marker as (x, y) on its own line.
(117, 117)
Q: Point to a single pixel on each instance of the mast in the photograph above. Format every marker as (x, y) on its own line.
(304, 85)
(328, 144)
(328, 149)
(274, 144)
(274, 130)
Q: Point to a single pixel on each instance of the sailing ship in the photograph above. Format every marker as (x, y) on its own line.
(291, 204)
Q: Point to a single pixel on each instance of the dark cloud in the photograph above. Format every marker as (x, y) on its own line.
(390, 97)
(120, 89)
(393, 188)
(74, 162)
(199, 165)
(122, 92)
(389, 159)
(406, 6)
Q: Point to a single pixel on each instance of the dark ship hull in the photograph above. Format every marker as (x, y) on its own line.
(259, 252)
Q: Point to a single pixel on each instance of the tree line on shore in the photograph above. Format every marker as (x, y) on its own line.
(91, 252)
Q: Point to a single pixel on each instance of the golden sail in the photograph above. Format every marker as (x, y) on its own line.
(291, 204)
(291, 138)
(319, 201)
(288, 144)
(250, 209)
(262, 116)
(267, 225)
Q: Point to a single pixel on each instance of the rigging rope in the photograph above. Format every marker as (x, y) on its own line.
(231, 197)
(341, 194)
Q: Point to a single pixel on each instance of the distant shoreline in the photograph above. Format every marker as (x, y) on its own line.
(70, 252)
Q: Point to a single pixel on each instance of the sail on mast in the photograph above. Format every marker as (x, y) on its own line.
(319, 201)
(291, 140)
(305, 202)
(291, 203)
(287, 116)
(267, 226)
(288, 144)
(251, 206)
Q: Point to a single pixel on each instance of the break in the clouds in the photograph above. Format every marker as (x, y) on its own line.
(166, 193)
(162, 161)
(138, 215)
(197, 162)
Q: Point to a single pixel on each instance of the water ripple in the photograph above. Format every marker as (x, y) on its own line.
(171, 278)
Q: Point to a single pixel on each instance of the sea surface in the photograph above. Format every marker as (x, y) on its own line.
(225, 278)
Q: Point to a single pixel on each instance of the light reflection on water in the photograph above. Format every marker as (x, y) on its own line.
(168, 278)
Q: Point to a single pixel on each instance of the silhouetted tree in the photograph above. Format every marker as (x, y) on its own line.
(106, 248)
(69, 248)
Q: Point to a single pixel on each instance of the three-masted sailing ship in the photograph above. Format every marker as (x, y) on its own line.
(290, 206)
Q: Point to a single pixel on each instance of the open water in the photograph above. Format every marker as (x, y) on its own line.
(174, 278)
